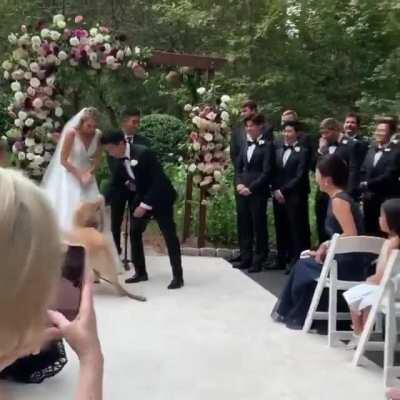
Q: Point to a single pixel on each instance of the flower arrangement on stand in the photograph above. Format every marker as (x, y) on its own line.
(207, 151)
(37, 106)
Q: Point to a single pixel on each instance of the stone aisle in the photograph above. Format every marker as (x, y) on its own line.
(212, 340)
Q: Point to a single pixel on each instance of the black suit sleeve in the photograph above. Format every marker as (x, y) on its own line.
(265, 177)
(355, 161)
(301, 171)
(240, 166)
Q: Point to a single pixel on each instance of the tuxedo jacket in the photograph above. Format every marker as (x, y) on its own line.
(349, 150)
(383, 178)
(239, 140)
(363, 146)
(256, 174)
(291, 178)
(152, 185)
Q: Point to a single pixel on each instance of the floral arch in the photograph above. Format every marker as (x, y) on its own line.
(37, 105)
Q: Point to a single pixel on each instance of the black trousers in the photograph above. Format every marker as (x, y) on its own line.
(321, 209)
(118, 204)
(252, 228)
(292, 227)
(165, 220)
(372, 209)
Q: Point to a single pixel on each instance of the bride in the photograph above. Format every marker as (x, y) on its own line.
(69, 178)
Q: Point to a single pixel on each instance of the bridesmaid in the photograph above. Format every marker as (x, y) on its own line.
(343, 217)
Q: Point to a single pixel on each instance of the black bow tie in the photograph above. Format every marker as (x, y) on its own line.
(288, 147)
(250, 143)
(379, 148)
(125, 158)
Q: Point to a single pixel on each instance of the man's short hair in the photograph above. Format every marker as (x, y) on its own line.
(292, 124)
(355, 116)
(390, 121)
(290, 112)
(113, 137)
(331, 124)
(250, 104)
(257, 119)
(131, 112)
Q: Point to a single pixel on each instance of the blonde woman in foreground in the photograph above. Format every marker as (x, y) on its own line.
(31, 256)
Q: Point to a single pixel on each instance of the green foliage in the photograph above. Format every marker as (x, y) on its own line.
(167, 135)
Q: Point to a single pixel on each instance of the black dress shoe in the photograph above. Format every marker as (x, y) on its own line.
(242, 265)
(176, 283)
(137, 278)
(254, 269)
(236, 259)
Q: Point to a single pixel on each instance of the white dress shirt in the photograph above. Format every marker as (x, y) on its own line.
(251, 147)
(378, 154)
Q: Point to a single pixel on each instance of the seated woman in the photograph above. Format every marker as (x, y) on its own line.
(87, 231)
(361, 297)
(31, 255)
(343, 217)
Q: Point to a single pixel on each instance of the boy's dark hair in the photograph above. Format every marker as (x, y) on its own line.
(131, 112)
(250, 104)
(257, 119)
(113, 137)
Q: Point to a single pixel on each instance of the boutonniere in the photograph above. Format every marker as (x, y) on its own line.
(395, 141)
(261, 142)
(388, 149)
(345, 141)
(297, 149)
(134, 163)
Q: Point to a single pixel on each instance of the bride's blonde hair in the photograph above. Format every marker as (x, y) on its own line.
(30, 251)
(89, 113)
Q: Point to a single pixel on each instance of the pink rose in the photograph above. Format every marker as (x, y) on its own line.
(194, 136)
(104, 29)
(79, 19)
(208, 157)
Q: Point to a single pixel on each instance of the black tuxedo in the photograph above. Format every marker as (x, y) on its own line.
(291, 218)
(362, 148)
(252, 210)
(118, 194)
(382, 181)
(349, 150)
(154, 190)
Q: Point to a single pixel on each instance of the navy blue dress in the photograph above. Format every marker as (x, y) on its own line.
(295, 300)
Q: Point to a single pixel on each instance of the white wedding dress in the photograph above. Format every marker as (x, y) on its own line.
(63, 190)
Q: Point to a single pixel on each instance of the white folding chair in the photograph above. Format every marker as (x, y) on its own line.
(329, 279)
(388, 304)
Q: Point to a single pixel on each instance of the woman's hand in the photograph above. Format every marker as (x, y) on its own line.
(373, 280)
(86, 178)
(320, 254)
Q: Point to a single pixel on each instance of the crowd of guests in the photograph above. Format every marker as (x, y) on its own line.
(279, 167)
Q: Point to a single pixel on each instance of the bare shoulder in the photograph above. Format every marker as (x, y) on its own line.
(340, 204)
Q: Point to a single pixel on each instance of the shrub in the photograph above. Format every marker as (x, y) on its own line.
(167, 135)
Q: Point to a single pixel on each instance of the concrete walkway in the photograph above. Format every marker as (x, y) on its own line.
(212, 340)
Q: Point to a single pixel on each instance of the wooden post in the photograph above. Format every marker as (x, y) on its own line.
(187, 216)
(201, 239)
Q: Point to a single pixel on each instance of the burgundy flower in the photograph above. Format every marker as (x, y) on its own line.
(67, 33)
(28, 103)
(39, 25)
(80, 33)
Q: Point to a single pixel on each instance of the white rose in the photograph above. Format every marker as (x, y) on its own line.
(93, 57)
(24, 40)
(107, 48)
(225, 116)
(188, 107)
(208, 137)
(197, 179)
(21, 156)
(6, 75)
(34, 67)
(55, 35)
(110, 60)
(31, 91)
(192, 168)
(12, 38)
(47, 156)
(61, 24)
(23, 63)
(51, 80)
(196, 121)
(62, 55)
(57, 18)
(42, 114)
(18, 123)
(29, 142)
(14, 149)
(7, 65)
(225, 98)
(120, 54)
(99, 38)
(217, 175)
(137, 51)
(201, 90)
(30, 156)
(29, 122)
(45, 33)
(51, 59)
(128, 51)
(18, 74)
(73, 62)
(34, 82)
(36, 40)
(28, 76)
(22, 115)
(38, 149)
(19, 97)
(36, 48)
(37, 103)
(15, 87)
(59, 112)
(74, 41)
(196, 146)
(93, 32)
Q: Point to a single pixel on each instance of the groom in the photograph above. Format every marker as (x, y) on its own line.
(152, 195)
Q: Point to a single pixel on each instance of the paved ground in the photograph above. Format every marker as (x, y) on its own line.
(211, 340)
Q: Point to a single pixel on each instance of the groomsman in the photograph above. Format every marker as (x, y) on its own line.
(154, 197)
(380, 174)
(351, 128)
(291, 187)
(254, 169)
(120, 195)
(332, 140)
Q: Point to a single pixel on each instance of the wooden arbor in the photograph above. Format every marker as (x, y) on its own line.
(202, 65)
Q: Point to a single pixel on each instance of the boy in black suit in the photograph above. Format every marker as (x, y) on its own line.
(380, 174)
(119, 196)
(291, 187)
(152, 195)
(253, 176)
